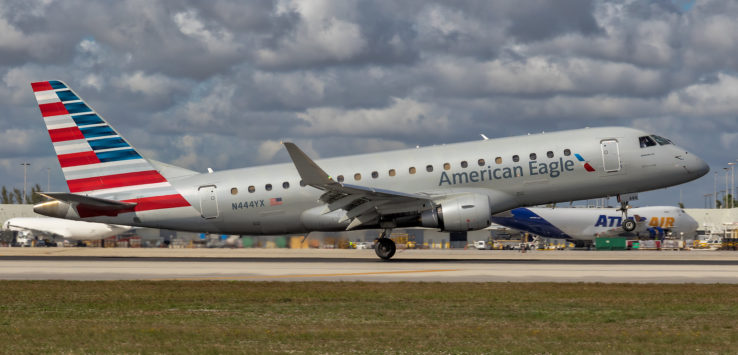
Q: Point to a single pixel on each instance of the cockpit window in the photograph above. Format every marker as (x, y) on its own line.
(646, 141)
(661, 140)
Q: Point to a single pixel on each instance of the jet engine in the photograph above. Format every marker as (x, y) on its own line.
(458, 214)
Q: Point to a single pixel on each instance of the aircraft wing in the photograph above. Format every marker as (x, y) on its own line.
(363, 205)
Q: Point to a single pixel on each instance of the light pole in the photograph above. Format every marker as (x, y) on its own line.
(732, 184)
(726, 188)
(25, 166)
(714, 189)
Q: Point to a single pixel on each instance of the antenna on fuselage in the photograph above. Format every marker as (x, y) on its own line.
(484, 137)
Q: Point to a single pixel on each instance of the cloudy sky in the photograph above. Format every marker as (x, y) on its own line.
(220, 83)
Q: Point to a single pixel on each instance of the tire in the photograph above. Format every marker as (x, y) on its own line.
(385, 248)
(629, 225)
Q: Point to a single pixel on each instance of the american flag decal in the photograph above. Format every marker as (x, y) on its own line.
(275, 201)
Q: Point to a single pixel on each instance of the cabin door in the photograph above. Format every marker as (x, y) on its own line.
(208, 201)
(610, 155)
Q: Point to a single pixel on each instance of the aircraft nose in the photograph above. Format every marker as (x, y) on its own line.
(697, 166)
(690, 224)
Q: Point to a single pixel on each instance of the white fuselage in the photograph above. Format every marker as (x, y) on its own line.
(270, 199)
(589, 223)
(67, 229)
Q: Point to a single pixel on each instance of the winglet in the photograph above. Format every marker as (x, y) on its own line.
(310, 172)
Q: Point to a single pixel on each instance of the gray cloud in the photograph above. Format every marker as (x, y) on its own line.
(219, 84)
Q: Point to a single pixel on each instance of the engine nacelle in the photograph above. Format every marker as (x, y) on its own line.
(459, 214)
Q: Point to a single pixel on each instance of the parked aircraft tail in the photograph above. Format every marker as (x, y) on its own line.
(96, 160)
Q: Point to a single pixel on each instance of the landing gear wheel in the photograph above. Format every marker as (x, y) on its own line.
(629, 225)
(385, 248)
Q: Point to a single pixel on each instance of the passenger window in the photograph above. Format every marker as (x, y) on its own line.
(268, 187)
(498, 160)
(234, 191)
(339, 178)
(357, 176)
(446, 166)
(532, 156)
(480, 162)
(646, 141)
(375, 174)
(567, 152)
(516, 158)
(302, 183)
(392, 172)
(464, 164)
(285, 185)
(550, 154)
(412, 170)
(252, 189)
(429, 168)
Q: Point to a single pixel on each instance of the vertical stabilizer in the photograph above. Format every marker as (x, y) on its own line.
(95, 159)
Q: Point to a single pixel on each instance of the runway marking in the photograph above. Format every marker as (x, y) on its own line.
(199, 278)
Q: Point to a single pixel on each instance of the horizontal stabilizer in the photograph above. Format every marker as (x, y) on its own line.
(86, 206)
(87, 200)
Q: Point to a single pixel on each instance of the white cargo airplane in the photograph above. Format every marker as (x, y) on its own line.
(68, 229)
(453, 187)
(589, 223)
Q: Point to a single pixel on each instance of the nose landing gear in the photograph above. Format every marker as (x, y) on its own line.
(628, 223)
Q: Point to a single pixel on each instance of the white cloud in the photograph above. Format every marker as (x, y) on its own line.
(11, 37)
(268, 149)
(729, 141)
(188, 151)
(541, 75)
(709, 99)
(324, 33)
(138, 82)
(214, 38)
(403, 115)
(94, 81)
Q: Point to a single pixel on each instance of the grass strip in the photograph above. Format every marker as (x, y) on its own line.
(340, 317)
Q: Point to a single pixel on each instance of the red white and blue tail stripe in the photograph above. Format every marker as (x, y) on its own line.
(95, 159)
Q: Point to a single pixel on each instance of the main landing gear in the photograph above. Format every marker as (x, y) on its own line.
(385, 247)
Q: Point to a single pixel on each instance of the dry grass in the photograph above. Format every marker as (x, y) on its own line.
(311, 317)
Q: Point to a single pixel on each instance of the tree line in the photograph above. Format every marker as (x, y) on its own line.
(727, 201)
(16, 195)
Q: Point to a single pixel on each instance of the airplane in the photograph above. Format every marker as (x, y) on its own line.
(67, 229)
(585, 224)
(451, 187)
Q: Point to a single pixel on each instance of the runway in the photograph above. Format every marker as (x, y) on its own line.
(363, 265)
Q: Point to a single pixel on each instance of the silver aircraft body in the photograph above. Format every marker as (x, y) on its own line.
(452, 187)
(67, 229)
(589, 223)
